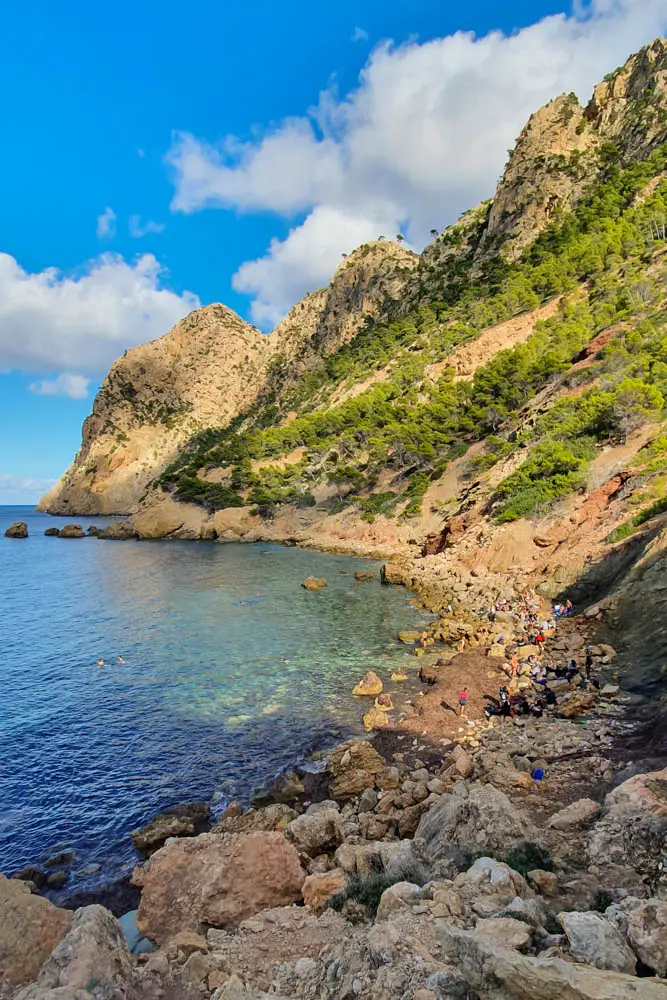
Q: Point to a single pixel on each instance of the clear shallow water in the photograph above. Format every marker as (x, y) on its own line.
(202, 707)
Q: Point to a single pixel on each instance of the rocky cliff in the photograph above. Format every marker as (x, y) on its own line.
(210, 368)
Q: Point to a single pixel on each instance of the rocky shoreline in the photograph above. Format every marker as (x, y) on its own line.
(445, 856)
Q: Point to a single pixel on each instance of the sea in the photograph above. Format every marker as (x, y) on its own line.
(230, 673)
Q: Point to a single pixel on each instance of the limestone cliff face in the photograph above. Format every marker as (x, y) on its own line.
(207, 370)
(556, 155)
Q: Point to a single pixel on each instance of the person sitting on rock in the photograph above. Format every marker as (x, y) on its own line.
(572, 670)
(550, 696)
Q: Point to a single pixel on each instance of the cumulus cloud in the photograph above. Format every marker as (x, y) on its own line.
(22, 489)
(359, 34)
(138, 229)
(52, 322)
(65, 384)
(423, 137)
(106, 224)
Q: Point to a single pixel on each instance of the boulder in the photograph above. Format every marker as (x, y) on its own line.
(149, 838)
(216, 879)
(500, 973)
(489, 886)
(409, 636)
(546, 883)
(592, 939)
(273, 817)
(463, 762)
(609, 690)
(94, 949)
(575, 816)
(19, 529)
(72, 531)
(508, 931)
(367, 800)
(363, 575)
(286, 788)
(400, 896)
(119, 531)
(479, 817)
(370, 685)
(30, 928)
(399, 675)
(647, 933)
(159, 520)
(51, 532)
(318, 889)
(578, 703)
(634, 822)
(375, 718)
(314, 583)
(353, 767)
(317, 833)
(392, 856)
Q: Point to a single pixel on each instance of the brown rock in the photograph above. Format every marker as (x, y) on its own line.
(575, 816)
(276, 816)
(19, 529)
(353, 767)
(409, 820)
(151, 837)
(30, 928)
(318, 889)
(370, 685)
(363, 575)
(375, 718)
(546, 883)
(217, 879)
(72, 531)
(578, 703)
(314, 583)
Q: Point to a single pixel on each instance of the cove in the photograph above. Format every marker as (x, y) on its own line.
(232, 672)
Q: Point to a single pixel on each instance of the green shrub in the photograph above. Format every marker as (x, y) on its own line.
(527, 855)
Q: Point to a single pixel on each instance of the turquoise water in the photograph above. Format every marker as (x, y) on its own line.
(202, 707)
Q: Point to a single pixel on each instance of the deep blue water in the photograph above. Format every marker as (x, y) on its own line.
(203, 706)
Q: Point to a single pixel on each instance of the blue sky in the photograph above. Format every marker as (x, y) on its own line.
(161, 155)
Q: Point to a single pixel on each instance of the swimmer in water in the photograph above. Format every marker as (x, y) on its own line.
(121, 660)
(284, 660)
(100, 662)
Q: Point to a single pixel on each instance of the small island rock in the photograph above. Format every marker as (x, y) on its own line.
(369, 686)
(314, 583)
(19, 529)
(72, 531)
(52, 532)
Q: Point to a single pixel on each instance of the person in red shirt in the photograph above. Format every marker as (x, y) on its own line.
(463, 701)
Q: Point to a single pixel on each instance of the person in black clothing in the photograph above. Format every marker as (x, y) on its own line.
(589, 663)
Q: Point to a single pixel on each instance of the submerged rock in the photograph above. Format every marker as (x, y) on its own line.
(314, 583)
(52, 532)
(19, 529)
(363, 575)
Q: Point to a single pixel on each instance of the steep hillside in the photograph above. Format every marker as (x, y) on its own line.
(206, 372)
(488, 389)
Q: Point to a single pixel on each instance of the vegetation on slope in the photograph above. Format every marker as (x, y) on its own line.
(600, 258)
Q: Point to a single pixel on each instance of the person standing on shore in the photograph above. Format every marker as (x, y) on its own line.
(463, 701)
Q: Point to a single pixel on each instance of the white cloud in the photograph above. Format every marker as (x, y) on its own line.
(138, 229)
(359, 34)
(65, 384)
(106, 224)
(423, 137)
(22, 489)
(51, 322)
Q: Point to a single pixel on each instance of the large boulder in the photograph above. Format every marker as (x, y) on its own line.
(353, 767)
(479, 816)
(575, 816)
(118, 531)
(276, 816)
(93, 951)
(30, 928)
(647, 933)
(634, 822)
(401, 896)
(500, 973)
(592, 939)
(218, 880)
(314, 583)
(19, 529)
(72, 531)
(316, 833)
